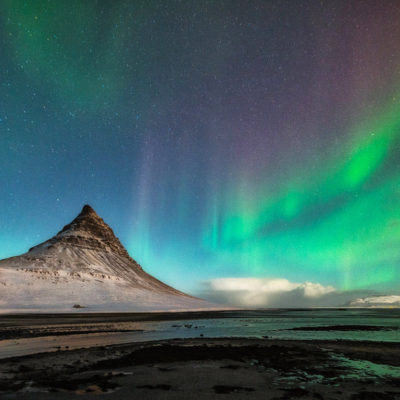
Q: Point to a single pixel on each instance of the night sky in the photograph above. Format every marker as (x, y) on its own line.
(218, 139)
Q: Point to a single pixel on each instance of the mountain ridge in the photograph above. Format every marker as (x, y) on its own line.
(86, 264)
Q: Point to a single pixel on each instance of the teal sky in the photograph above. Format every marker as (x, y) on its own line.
(218, 139)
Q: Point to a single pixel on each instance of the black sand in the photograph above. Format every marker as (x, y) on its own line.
(203, 368)
(207, 368)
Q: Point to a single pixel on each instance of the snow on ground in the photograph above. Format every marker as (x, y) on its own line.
(52, 291)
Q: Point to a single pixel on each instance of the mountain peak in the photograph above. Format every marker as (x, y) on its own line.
(87, 221)
(88, 230)
(87, 210)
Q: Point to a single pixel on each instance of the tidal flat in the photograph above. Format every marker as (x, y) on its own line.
(238, 368)
(282, 354)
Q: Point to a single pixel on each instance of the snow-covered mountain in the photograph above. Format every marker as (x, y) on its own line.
(86, 268)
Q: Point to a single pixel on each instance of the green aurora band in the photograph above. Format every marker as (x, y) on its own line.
(344, 219)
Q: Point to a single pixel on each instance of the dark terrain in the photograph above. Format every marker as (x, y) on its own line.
(208, 368)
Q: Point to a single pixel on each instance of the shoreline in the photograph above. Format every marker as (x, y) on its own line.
(384, 352)
(29, 334)
(222, 309)
(206, 367)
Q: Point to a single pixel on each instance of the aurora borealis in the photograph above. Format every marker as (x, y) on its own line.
(219, 139)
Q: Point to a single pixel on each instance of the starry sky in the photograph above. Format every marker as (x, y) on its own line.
(219, 139)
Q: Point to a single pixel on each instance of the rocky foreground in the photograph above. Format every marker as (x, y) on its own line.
(209, 368)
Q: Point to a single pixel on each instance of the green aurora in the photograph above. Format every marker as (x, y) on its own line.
(344, 219)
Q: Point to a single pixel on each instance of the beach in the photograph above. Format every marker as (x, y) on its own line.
(208, 368)
(198, 367)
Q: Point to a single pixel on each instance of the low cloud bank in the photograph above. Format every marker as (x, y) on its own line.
(377, 301)
(282, 293)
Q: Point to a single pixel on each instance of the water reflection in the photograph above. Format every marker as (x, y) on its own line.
(274, 324)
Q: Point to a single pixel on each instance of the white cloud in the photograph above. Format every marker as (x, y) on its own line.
(316, 289)
(282, 293)
(376, 301)
(253, 284)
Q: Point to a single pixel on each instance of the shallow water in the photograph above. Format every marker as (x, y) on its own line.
(274, 324)
(279, 324)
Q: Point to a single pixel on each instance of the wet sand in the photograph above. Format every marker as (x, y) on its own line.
(26, 334)
(23, 320)
(209, 368)
(69, 356)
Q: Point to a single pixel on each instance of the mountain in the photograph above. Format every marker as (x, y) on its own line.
(85, 267)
